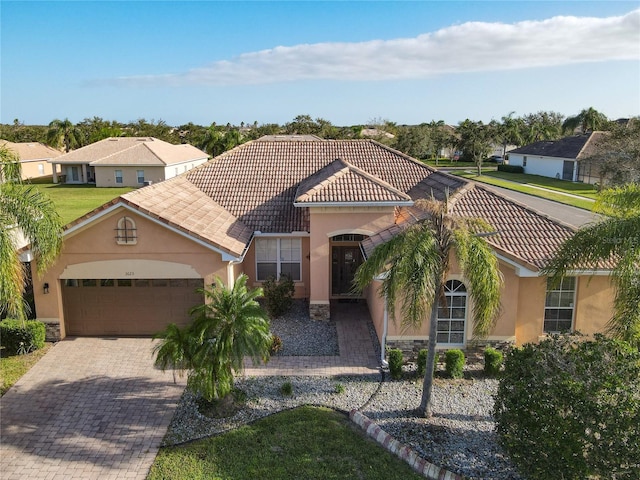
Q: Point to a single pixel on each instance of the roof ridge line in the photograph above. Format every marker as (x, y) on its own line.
(374, 178)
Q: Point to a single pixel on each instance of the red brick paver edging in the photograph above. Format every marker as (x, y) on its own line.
(420, 465)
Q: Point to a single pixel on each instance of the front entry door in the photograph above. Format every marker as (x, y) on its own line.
(345, 260)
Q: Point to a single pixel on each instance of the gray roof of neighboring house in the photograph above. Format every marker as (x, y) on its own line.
(136, 151)
(575, 147)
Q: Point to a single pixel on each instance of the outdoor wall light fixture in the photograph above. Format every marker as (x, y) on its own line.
(45, 287)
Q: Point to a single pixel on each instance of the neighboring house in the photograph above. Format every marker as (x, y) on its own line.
(560, 158)
(34, 158)
(311, 209)
(127, 162)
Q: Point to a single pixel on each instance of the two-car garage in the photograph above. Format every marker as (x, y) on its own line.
(127, 306)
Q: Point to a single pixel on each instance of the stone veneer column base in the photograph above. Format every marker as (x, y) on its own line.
(52, 330)
(320, 311)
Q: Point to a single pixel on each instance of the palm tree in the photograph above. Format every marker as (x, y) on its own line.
(64, 133)
(229, 326)
(588, 119)
(416, 265)
(23, 211)
(615, 239)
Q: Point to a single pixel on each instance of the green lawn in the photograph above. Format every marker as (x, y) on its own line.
(73, 201)
(445, 162)
(307, 442)
(15, 366)
(528, 183)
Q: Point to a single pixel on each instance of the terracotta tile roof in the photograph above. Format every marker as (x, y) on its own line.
(28, 151)
(257, 182)
(180, 204)
(576, 147)
(132, 151)
(254, 187)
(341, 182)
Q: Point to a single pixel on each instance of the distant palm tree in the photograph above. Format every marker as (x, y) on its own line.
(229, 326)
(616, 239)
(64, 133)
(416, 265)
(588, 120)
(23, 210)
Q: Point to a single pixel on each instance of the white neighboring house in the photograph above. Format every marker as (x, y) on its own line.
(127, 162)
(34, 158)
(557, 159)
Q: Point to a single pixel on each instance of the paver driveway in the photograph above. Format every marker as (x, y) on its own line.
(90, 408)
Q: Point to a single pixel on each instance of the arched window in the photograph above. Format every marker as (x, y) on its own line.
(126, 233)
(452, 318)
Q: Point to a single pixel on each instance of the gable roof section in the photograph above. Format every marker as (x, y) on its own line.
(140, 151)
(31, 151)
(257, 182)
(180, 204)
(575, 147)
(342, 183)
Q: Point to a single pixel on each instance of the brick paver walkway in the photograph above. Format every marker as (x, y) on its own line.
(357, 352)
(91, 408)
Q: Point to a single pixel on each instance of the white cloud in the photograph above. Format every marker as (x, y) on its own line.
(469, 47)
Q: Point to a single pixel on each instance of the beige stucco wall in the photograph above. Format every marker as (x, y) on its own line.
(326, 222)
(106, 176)
(31, 169)
(301, 288)
(97, 243)
(522, 314)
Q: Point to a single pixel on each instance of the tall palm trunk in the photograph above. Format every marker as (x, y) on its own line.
(427, 383)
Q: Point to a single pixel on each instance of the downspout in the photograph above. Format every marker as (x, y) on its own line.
(231, 279)
(383, 341)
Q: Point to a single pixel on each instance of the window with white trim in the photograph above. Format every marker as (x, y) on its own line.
(140, 175)
(278, 256)
(118, 175)
(126, 232)
(451, 322)
(559, 306)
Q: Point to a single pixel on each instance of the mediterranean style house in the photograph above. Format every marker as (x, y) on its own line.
(562, 159)
(34, 158)
(126, 162)
(311, 209)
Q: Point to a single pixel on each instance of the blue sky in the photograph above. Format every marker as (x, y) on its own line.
(348, 62)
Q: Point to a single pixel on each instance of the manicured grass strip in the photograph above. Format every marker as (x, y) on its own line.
(574, 188)
(585, 204)
(449, 163)
(15, 366)
(73, 201)
(307, 442)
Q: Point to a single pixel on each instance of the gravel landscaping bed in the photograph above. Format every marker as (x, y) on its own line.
(459, 437)
(302, 336)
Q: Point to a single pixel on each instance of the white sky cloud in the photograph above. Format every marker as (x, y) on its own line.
(469, 47)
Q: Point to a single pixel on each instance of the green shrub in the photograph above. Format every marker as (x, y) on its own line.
(339, 389)
(492, 361)
(510, 168)
(454, 363)
(278, 295)
(276, 344)
(21, 337)
(573, 403)
(395, 363)
(286, 389)
(422, 362)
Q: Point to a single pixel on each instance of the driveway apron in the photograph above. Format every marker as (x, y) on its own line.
(90, 408)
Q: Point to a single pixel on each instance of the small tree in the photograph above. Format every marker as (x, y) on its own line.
(225, 329)
(569, 408)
